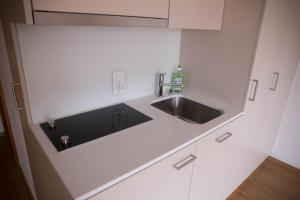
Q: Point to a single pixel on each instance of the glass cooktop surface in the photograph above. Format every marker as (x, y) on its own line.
(77, 129)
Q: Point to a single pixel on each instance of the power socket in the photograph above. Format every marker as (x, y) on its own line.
(119, 81)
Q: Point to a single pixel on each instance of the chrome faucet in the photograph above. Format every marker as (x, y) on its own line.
(161, 84)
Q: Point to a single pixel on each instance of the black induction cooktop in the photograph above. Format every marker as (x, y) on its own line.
(74, 130)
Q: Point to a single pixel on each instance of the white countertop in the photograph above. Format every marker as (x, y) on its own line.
(92, 167)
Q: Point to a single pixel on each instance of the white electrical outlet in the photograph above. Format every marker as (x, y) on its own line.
(119, 80)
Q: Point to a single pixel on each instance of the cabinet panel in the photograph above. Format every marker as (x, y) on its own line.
(142, 8)
(260, 111)
(160, 181)
(278, 51)
(221, 165)
(285, 64)
(269, 41)
(196, 14)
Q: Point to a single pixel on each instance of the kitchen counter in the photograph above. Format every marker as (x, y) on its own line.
(90, 168)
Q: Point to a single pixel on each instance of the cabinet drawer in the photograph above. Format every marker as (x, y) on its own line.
(167, 179)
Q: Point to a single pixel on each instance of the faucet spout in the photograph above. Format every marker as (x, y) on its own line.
(161, 84)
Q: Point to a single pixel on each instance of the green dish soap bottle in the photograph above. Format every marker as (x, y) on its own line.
(177, 78)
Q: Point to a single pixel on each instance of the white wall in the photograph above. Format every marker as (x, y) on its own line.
(13, 114)
(68, 69)
(287, 145)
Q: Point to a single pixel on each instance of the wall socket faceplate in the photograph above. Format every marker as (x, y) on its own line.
(119, 81)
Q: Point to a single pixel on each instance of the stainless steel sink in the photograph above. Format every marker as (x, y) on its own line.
(188, 110)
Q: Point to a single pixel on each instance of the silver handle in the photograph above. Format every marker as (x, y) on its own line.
(223, 137)
(275, 81)
(185, 162)
(14, 94)
(253, 90)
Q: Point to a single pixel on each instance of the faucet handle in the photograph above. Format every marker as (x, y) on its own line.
(162, 76)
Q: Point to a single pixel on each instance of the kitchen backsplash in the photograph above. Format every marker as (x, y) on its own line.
(68, 69)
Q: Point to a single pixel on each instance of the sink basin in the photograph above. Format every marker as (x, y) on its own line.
(188, 110)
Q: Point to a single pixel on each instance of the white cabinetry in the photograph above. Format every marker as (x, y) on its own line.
(188, 14)
(286, 62)
(141, 8)
(275, 63)
(160, 181)
(196, 14)
(222, 164)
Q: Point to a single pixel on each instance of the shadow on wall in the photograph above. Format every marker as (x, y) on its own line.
(219, 62)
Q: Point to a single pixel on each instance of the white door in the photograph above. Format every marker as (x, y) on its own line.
(283, 71)
(279, 71)
(224, 162)
(13, 113)
(259, 111)
(273, 21)
(167, 179)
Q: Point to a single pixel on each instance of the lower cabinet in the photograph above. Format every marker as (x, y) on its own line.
(212, 168)
(223, 163)
(167, 179)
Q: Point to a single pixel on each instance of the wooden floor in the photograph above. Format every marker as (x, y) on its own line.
(12, 183)
(272, 180)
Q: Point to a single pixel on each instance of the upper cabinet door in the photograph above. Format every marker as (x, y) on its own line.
(196, 14)
(140, 8)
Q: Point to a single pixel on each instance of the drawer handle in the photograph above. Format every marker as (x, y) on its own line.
(275, 81)
(13, 85)
(185, 162)
(253, 90)
(224, 137)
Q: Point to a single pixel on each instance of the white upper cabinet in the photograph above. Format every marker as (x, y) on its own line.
(196, 14)
(140, 8)
(187, 14)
